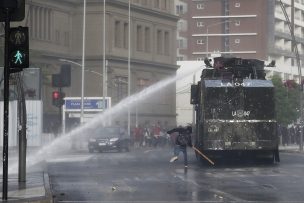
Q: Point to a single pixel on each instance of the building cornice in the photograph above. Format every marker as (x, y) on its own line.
(57, 56)
(142, 62)
(144, 10)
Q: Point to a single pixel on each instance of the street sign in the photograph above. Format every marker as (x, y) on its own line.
(91, 104)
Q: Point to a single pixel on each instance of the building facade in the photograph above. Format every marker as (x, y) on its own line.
(247, 29)
(56, 31)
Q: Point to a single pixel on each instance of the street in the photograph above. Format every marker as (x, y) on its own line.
(145, 175)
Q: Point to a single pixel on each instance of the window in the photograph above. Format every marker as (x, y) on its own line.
(66, 39)
(200, 24)
(126, 35)
(237, 22)
(226, 42)
(57, 36)
(199, 59)
(159, 42)
(117, 34)
(180, 43)
(237, 4)
(180, 58)
(147, 39)
(164, 4)
(156, 4)
(121, 87)
(167, 43)
(179, 25)
(179, 9)
(200, 6)
(200, 41)
(237, 41)
(142, 83)
(144, 2)
(139, 33)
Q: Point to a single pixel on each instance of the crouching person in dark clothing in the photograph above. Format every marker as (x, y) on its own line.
(182, 140)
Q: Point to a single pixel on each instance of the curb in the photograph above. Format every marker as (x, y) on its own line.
(48, 198)
(291, 151)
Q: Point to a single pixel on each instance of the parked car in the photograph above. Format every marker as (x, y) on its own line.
(108, 138)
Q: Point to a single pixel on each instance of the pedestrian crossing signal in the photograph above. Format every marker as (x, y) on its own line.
(18, 48)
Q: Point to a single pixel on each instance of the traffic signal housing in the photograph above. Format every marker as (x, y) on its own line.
(18, 10)
(18, 48)
(63, 78)
(58, 98)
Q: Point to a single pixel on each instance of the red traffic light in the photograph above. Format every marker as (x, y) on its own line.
(56, 95)
(58, 98)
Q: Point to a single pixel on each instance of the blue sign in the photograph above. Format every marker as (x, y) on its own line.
(93, 104)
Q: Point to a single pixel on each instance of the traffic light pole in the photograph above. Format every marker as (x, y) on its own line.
(59, 108)
(22, 131)
(6, 106)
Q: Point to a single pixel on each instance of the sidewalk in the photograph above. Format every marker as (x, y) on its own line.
(36, 189)
(290, 148)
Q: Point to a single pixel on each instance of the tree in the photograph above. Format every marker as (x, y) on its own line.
(286, 100)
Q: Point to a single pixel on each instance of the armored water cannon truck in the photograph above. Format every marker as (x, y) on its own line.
(235, 110)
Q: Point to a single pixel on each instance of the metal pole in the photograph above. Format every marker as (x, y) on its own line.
(296, 51)
(63, 120)
(193, 108)
(129, 67)
(136, 114)
(22, 133)
(83, 55)
(6, 107)
(207, 43)
(104, 91)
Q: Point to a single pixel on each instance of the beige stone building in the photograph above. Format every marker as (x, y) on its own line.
(55, 28)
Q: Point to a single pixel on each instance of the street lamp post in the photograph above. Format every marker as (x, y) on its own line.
(129, 65)
(207, 33)
(104, 88)
(83, 54)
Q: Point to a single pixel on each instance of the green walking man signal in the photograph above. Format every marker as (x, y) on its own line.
(18, 49)
(18, 57)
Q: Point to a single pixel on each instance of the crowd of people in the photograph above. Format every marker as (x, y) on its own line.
(289, 135)
(150, 136)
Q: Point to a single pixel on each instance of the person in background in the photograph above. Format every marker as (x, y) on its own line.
(136, 133)
(182, 140)
(156, 135)
(147, 137)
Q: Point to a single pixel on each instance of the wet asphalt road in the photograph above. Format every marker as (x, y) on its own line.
(145, 175)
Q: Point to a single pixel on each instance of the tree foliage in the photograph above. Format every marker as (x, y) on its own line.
(287, 100)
